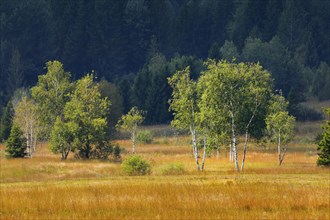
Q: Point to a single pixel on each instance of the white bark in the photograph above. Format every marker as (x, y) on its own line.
(282, 157)
(247, 133)
(234, 141)
(194, 145)
(133, 140)
(244, 151)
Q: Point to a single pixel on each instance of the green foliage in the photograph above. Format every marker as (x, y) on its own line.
(61, 139)
(86, 115)
(130, 123)
(131, 120)
(135, 165)
(16, 143)
(172, 169)
(51, 94)
(144, 137)
(117, 152)
(6, 121)
(104, 150)
(280, 125)
(321, 81)
(111, 92)
(227, 88)
(184, 99)
(229, 51)
(323, 147)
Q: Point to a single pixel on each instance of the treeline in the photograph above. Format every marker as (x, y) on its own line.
(137, 44)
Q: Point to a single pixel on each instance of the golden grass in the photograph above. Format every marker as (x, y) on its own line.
(45, 187)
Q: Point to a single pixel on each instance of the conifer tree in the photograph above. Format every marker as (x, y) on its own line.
(16, 143)
(6, 121)
(324, 145)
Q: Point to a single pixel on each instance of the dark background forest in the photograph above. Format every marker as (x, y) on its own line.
(137, 44)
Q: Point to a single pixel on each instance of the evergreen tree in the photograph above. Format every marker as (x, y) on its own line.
(16, 143)
(6, 121)
(324, 145)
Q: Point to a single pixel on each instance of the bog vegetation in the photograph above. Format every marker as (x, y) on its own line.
(231, 111)
(232, 82)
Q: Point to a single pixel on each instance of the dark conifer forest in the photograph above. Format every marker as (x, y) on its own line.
(136, 44)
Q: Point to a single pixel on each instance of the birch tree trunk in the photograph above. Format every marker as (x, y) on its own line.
(282, 157)
(133, 141)
(194, 145)
(233, 129)
(247, 134)
(244, 151)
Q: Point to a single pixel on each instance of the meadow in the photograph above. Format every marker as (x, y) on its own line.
(45, 187)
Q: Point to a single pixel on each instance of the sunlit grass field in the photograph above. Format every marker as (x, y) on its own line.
(45, 187)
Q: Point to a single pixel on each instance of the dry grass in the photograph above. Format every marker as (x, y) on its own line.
(46, 188)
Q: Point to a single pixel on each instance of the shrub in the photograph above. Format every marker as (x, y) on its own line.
(172, 169)
(105, 149)
(135, 165)
(145, 137)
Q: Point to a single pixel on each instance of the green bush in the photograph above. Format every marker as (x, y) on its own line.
(145, 137)
(135, 165)
(172, 169)
(103, 151)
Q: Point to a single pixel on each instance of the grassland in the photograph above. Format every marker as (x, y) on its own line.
(45, 187)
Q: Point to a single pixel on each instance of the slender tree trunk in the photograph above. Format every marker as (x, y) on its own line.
(204, 154)
(233, 129)
(247, 134)
(133, 141)
(282, 157)
(244, 151)
(194, 144)
(65, 152)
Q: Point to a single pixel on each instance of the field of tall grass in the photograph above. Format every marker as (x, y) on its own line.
(45, 187)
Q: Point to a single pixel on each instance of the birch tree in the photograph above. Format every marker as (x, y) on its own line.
(232, 95)
(225, 87)
(26, 118)
(130, 123)
(279, 124)
(51, 94)
(258, 91)
(212, 117)
(184, 106)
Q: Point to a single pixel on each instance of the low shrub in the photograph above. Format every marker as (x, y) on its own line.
(104, 151)
(172, 169)
(145, 137)
(135, 166)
